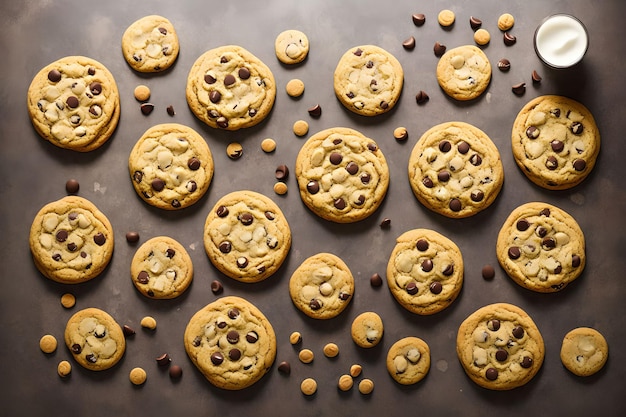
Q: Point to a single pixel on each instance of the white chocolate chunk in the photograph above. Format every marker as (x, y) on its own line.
(401, 364)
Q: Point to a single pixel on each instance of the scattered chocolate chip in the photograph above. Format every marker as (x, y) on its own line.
(170, 110)
(436, 287)
(127, 330)
(448, 270)
(163, 360)
(532, 132)
(132, 237)
(376, 280)
(234, 354)
(335, 158)
(146, 108)
(143, 277)
(421, 97)
(176, 372)
(445, 146)
(493, 325)
(72, 186)
(409, 43)
(216, 287)
(504, 65)
(576, 128)
(418, 19)
(284, 368)
(439, 49)
(221, 211)
(282, 173)
(536, 77)
(488, 272)
(95, 88)
(475, 23)
(385, 223)
(315, 111)
(519, 89)
(552, 163)
(509, 39)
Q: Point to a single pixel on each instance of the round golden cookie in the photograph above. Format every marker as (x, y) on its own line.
(541, 247)
(367, 329)
(408, 360)
(500, 347)
(368, 80)
(464, 72)
(482, 37)
(584, 351)
(161, 268)
(95, 339)
(555, 142)
(455, 170)
(150, 44)
(74, 103)
(246, 236)
(342, 175)
(322, 286)
(71, 240)
(171, 166)
(291, 46)
(229, 88)
(506, 21)
(231, 342)
(425, 271)
(446, 18)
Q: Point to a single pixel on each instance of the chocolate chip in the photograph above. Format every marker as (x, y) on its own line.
(522, 225)
(95, 88)
(575, 261)
(385, 223)
(376, 280)
(443, 176)
(536, 77)
(463, 147)
(421, 97)
(519, 89)
(365, 178)
(315, 304)
(246, 219)
(509, 39)
(176, 372)
(418, 19)
(501, 355)
(232, 337)
(194, 163)
(313, 187)
(217, 358)
(209, 79)
(91, 71)
(576, 128)
(448, 270)
(422, 245)
(527, 362)
(72, 102)
(428, 183)
(170, 110)
(72, 186)
(95, 110)
(552, 163)
(216, 287)
(493, 325)
(229, 80)
(518, 332)
(233, 313)
(284, 368)
(127, 330)
(439, 49)
(491, 374)
(339, 203)
(315, 111)
(252, 337)
(244, 73)
(242, 262)
(514, 252)
(54, 76)
(163, 360)
(358, 52)
(215, 96)
(411, 288)
(352, 168)
(477, 196)
(488, 272)
(132, 237)
(170, 253)
(91, 358)
(143, 277)
(282, 173)
(335, 158)
(455, 205)
(146, 108)
(76, 348)
(476, 159)
(436, 287)
(225, 247)
(234, 354)
(221, 211)
(158, 184)
(548, 243)
(545, 212)
(269, 215)
(99, 239)
(475, 23)
(504, 65)
(427, 265)
(409, 43)
(557, 145)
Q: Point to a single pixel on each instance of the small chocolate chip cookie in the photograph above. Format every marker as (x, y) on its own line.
(367, 329)
(231, 342)
(455, 170)
(71, 240)
(171, 166)
(408, 360)
(342, 175)
(464, 72)
(322, 286)
(161, 268)
(555, 142)
(95, 339)
(246, 236)
(291, 46)
(368, 80)
(584, 351)
(229, 88)
(74, 103)
(150, 44)
(500, 347)
(425, 271)
(541, 247)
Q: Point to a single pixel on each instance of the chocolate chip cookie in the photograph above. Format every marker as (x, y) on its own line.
(95, 339)
(322, 286)
(342, 175)
(150, 44)
(367, 329)
(74, 103)
(464, 72)
(161, 268)
(71, 240)
(584, 351)
(246, 236)
(455, 170)
(500, 347)
(231, 342)
(555, 142)
(541, 247)
(408, 360)
(230, 88)
(291, 46)
(368, 80)
(425, 271)
(171, 166)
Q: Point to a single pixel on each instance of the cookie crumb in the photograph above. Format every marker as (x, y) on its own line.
(68, 300)
(64, 369)
(300, 128)
(148, 323)
(345, 382)
(308, 386)
(142, 93)
(295, 88)
(138, 376)
(268, 145)
(48, 343)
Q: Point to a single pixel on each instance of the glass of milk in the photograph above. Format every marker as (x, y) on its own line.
(561, 41)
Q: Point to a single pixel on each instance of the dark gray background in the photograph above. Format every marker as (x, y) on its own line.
(33, 172)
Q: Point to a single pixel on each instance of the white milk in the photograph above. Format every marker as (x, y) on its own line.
(561, 41)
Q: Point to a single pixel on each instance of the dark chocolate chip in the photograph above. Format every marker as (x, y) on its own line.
(91, 358)
(72, 186)
(519, 89)
(170, 110)
(252, 337)
(501, 355)
(436, 287)
(427, 265)
(463, 147)
(282, 172)
(422, 245)
(339, 203)
(244, 73)
(95, 88)
(132, 237)
(146, 108)
(527, 362)
(575, 261)
(448, 270)
(514, 252)
(335, 158)
(170, 253)
(54, 76)
(99, 239)
(143, 277)
(476, 159)
(541, 231)
(72, 102)
(176, 372)
(428, 183)
(315, 111)
(509, 39)
(358, 52)
(284, 368)
(552, 163)
(209, 79)
(163, 360)
(548, 243)
(491, 374)
(234, 354)
(127, 330)
(242, 262)
(493, 325)
(365, 178)
(421, 97)
(455, 205)
(233, 313)
(217, 358)
(221, 211)
(225, 247)
(352, 168)
(376, 280)
(409, 43)
(194, 163)
(163, 31)
(313, 187)
(518, 332)
(504, 65)
(477, 196)
(580, 165)
(418, 19)
(158, 184)
(246, 218)
(385, 223)
(411, 288)
(545, 212)
(215, 96)
(439, 49)
(232, 337)
(522, 225)
(315, 304)
(475, 23)
(488, 272)
(536, 77)
(557, 145)
(216, 287)
(443, 176)
(229, 80)
(576, 128)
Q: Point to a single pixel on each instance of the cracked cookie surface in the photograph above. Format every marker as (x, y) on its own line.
(555, 142)
(464, 72)
(231, 342)
(74, 103)
(150, 44)
(229, 88)
(342, 175)
(541, 247)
